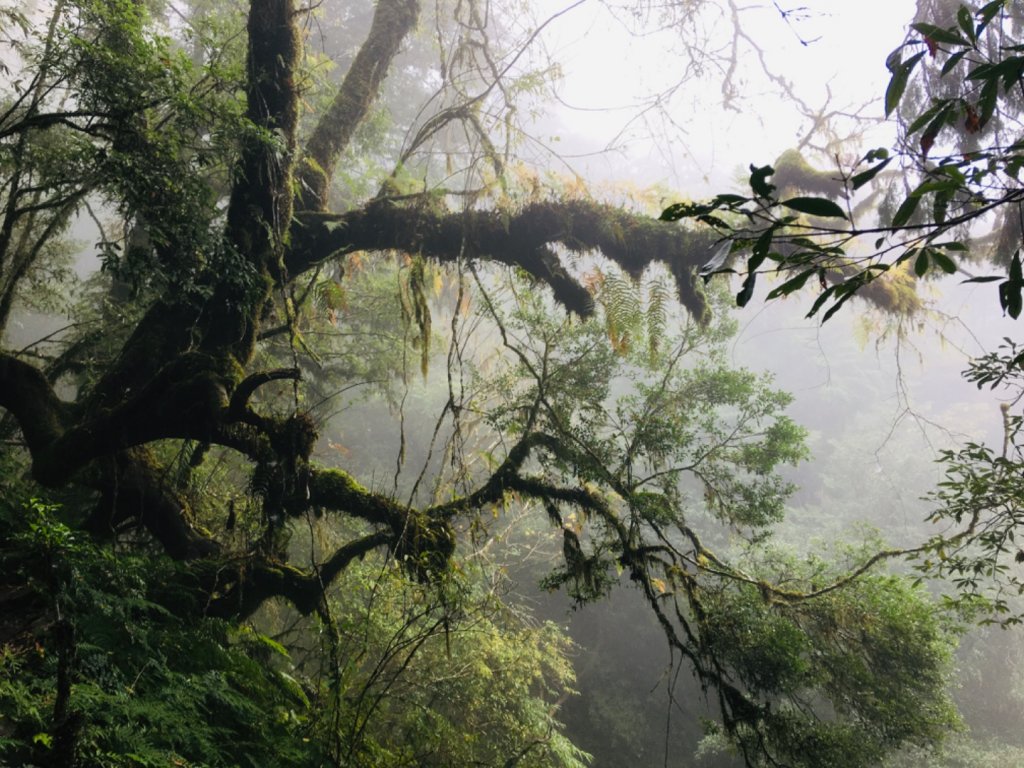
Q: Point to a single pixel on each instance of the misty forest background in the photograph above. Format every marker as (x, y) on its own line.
(365, 400)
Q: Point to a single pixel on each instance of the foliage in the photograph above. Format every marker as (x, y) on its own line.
(978, 503)
(149, 685)
(877, 649)
(458, 680)
(959, 180)
(137, 140)
(694, 443)
(118, 671)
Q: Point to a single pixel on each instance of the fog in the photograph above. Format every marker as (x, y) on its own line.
(634, 105)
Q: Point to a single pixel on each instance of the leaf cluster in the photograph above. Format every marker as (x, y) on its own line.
(978, 503)
(960, 178)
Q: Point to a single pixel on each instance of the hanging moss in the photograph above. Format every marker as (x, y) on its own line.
(522, 238)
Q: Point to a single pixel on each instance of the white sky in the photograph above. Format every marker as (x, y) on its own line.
(603, 66)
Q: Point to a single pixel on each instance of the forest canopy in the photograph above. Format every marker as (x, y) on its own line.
(339, 341)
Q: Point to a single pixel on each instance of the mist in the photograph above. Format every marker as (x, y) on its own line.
(387, 385)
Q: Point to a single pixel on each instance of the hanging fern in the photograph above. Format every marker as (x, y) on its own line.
(659, 295)
(623, 310)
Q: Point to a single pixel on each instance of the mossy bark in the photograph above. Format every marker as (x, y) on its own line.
(393, 20)
(521, 238)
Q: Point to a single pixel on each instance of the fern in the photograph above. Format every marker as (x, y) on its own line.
(623, 310)
(659, 296)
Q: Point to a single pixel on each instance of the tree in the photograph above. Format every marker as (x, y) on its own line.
(228, 242)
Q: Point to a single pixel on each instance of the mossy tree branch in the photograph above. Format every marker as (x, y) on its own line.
(522, 238)
(256, 582)
(30, 398)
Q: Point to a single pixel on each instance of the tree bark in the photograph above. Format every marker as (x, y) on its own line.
(521, 238)
(393, 20)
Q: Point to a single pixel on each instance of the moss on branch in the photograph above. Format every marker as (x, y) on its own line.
(422, 540)
(522, 238)
(337, 490)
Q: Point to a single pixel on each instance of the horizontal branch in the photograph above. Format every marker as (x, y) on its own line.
(337, 490)
(29, 397)
(522, 238)
(422, 541)
(239, 405)
(505, 478)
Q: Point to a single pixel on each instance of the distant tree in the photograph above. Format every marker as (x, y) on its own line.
(173, 431)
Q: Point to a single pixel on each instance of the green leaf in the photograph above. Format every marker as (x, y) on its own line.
(966, 23)
(936, 185)
(714, 221)
(1010, 70)
(1010, 290)
(676, 211)
(988, 12)
(731, 200)
(927, 116)
(836, 307)
(905, 211)
(815, 206)
(984, 279)
(945, 263)
(987, 101)
(1010, 297)
(793, 284)
(898, 82)
(944, 115)
(921, 264)
(864, 177)
(822, 298)
(747, 291)
(763, 243)
(940, 35)
(755, 261)
(952, 61)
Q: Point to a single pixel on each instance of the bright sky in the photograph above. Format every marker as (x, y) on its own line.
(604, 66)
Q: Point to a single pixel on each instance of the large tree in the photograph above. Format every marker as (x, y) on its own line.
(222, 182)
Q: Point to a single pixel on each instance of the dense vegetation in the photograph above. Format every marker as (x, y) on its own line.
(260, 496)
